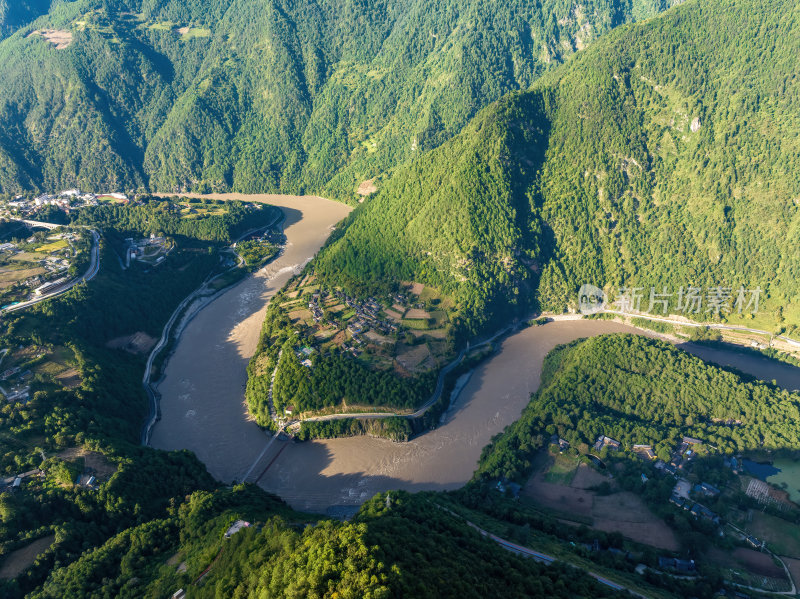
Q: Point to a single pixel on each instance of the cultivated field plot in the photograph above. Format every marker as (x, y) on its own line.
(626, 513)
(561, 498)
(54, 246)
(750, 568)
(16, 562)
(412, 358)
(794, 567)
(404, 331)
(781, 536)
(10, 275)
(565, 487)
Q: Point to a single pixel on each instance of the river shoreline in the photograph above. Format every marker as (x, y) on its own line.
(191, 305)
(202, 387)
(203, 395)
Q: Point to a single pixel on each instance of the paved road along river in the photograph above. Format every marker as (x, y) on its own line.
(203, 389)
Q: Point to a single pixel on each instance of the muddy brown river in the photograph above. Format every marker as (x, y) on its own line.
(203, 392)
(202, 405)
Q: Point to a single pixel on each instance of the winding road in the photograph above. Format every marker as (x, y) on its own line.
(91, 272)
(538, 555)
(510, 328)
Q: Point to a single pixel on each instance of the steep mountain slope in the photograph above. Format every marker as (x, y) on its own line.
(261, 96)
(665, 155)
(287, 554)
(16, 13)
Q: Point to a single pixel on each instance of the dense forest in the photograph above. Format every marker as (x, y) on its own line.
(644, 162)
(161, 217)
(286, 554)
(264, 96)
(16, 13)
(638, 390)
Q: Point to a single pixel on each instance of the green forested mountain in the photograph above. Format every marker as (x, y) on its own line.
(286, 554)
(16, 13)
(642, 391)
(264, 96)
(665, 155)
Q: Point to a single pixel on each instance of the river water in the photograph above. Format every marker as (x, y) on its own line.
(202, 405)
(203, 392)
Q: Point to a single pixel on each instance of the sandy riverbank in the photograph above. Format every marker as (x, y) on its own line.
(202, 391)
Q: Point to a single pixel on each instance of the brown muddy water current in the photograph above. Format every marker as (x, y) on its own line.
(202, 393)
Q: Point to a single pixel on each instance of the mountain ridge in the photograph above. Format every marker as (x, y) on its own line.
(259, 97)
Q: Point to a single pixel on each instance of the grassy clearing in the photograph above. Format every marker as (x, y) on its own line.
(54, 246)
(781, 536)
(190, 33)
(562, 471)
(162, 26)
(421, 324)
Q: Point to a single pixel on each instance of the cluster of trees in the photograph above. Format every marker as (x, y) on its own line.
(15, 13)
(255, 253)
(164, 217)
(642, 391)
(394, 428)
(367, 557)
(334, 379)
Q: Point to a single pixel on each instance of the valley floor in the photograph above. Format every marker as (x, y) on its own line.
(203, 390)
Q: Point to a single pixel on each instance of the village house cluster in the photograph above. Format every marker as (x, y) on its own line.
(48, 261)
(684, 495)
(366, 318)
(67, 200)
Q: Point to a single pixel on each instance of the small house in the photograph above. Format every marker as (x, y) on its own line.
(754, 542)
(236, 527)
(707, 490)
(675, 564)
(603, 441)
(644, 452)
